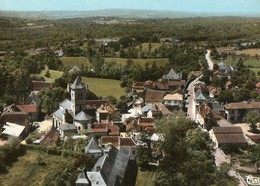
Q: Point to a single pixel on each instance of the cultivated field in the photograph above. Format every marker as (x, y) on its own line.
(71, 61)
(104, 87)
(251, 52)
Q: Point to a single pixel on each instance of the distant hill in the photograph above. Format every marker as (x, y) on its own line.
(122, 13)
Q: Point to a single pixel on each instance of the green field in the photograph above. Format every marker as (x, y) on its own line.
(104, 87)
(71, 61)
(32, 168)
(146, 178)
(122, 61)
(100, 87)
(248, 62)
(54, 74)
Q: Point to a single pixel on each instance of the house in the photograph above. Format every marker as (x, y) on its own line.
(223, 136)
(93, 149)
(173, 101)
(199, 98)
(224, 69)
(39, 85)
(20, 118)
(154, 96)
(110, 169)
(32, 110)
(12, 129)
(236, 112)
(168, 85)
(104, 128)
(145, 122)
(138, 87)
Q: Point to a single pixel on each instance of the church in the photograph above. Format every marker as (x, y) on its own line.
(71, 114)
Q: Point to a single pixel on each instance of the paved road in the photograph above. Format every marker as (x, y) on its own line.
(191, 107)
(209, 60)
(221, 158)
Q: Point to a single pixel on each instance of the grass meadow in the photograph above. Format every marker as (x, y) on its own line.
(99, 86)
(29, 169)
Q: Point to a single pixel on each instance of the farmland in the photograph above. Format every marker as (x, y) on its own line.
(75, 61)
(252, 52)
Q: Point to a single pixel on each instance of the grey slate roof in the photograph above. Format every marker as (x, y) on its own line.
(67, 127)
(82, 116)
(58, 113)
(200, 97)
(66, 104)
(92, 147)
(96, 179)
(77, 84)
(114, 169)
(146, 108)
(82, 179)
(32, 99)
(172, 75)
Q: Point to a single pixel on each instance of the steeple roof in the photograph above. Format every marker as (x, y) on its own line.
(92, 147)
(82, 116)
(77, 84)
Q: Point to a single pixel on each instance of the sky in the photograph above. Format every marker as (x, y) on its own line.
(236, 6)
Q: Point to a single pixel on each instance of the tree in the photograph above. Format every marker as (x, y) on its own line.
(252, 119)
(242, 94)
(226, 96)
(144, 157)
(186, 153)
(51, 98)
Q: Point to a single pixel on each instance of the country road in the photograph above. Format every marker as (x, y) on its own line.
(209, 60)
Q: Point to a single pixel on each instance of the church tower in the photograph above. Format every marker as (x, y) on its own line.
(78, 96)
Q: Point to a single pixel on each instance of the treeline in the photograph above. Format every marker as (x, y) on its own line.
(187, 29)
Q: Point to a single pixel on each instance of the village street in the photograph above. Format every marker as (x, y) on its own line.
(220, 157)
(209, 60)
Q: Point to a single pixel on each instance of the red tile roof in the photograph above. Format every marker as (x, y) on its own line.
(146, 122)
(113, 130)
(154, 96)
(127, 141)
(113, 140)
(227, 130)
(243, 105)
(117, 141)
(97, 128)
(28, 108)
(231, 138)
